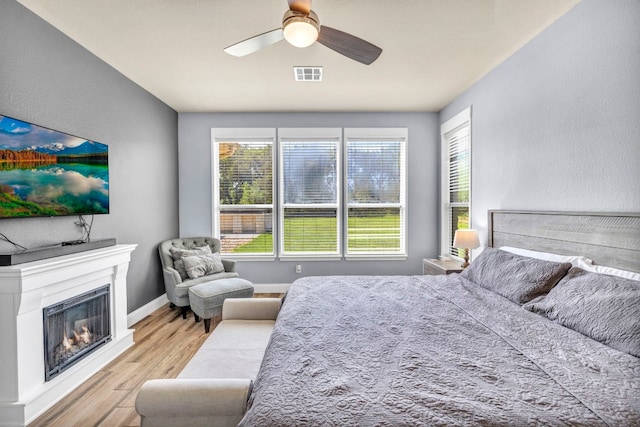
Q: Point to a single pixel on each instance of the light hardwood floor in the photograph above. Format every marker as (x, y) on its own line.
(164, 343)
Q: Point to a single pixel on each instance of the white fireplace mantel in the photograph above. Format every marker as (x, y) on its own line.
(25, 289)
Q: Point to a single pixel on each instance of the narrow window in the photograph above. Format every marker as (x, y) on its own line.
(456, 179)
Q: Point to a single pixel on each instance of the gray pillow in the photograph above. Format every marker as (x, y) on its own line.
(516, 277)
(604, 308)
(203, 265)
(178, 255)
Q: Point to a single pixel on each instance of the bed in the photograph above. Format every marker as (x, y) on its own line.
(514, 340)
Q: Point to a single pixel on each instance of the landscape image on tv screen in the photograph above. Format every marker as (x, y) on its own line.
(44, 172)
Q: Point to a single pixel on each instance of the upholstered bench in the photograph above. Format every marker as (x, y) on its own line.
(212, 389)
(206, 299)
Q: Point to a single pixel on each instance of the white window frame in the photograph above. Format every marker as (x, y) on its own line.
(239, 134)
(400, 134)
(310, 134)
(341, 205)
(457, 121)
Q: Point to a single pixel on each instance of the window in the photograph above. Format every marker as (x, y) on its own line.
(376, 211)
(333, 200)
(243, 189)
(456, 179)
(309, 192)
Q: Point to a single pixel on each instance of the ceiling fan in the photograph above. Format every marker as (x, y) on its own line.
(301, 27)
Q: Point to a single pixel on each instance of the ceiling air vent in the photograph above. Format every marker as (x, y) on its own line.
(308, 74)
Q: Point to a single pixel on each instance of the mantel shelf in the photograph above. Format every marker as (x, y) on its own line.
(35, 254)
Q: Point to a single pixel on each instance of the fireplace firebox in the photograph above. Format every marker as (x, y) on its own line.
(74, 328)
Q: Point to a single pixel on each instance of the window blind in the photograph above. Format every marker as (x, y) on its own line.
(459, 165)
(309, 194)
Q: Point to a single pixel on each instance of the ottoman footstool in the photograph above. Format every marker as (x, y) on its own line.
(206, 299)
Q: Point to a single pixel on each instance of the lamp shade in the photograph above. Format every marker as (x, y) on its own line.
(466, 239)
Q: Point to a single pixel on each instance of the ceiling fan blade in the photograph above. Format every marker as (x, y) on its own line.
(303, 6)
(255, 43)
(350, 46)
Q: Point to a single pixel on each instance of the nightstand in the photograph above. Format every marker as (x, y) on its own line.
(433, 267)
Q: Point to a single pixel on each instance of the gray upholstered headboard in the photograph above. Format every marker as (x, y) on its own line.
(608, 238)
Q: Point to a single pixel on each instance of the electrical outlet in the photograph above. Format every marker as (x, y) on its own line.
(298, 268)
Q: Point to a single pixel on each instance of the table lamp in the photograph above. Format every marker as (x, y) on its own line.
(466, 239)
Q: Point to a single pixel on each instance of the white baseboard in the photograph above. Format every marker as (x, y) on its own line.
(270, 288)
(137, 315)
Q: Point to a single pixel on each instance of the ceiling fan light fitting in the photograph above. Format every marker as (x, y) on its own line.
(299, 29)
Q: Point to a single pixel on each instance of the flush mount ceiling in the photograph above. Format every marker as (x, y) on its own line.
(301, 28)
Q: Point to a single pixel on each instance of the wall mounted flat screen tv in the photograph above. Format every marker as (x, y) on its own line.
(44, 172)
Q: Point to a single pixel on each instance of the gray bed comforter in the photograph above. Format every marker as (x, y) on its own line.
(432, 350)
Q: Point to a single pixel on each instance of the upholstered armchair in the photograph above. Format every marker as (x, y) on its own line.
(176, 280)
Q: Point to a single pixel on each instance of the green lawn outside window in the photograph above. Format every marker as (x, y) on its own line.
(318, 234)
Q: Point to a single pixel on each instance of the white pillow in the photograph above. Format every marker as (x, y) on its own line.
(575, 260)
(203, 265)
(611, 271)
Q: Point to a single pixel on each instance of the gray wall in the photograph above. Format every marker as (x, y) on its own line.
(48, 79)
(557, 125)
(554, 127)
(194, 140)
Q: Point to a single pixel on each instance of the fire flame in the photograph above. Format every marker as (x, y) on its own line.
(85, 336)
(67, 343)
(78, 338)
